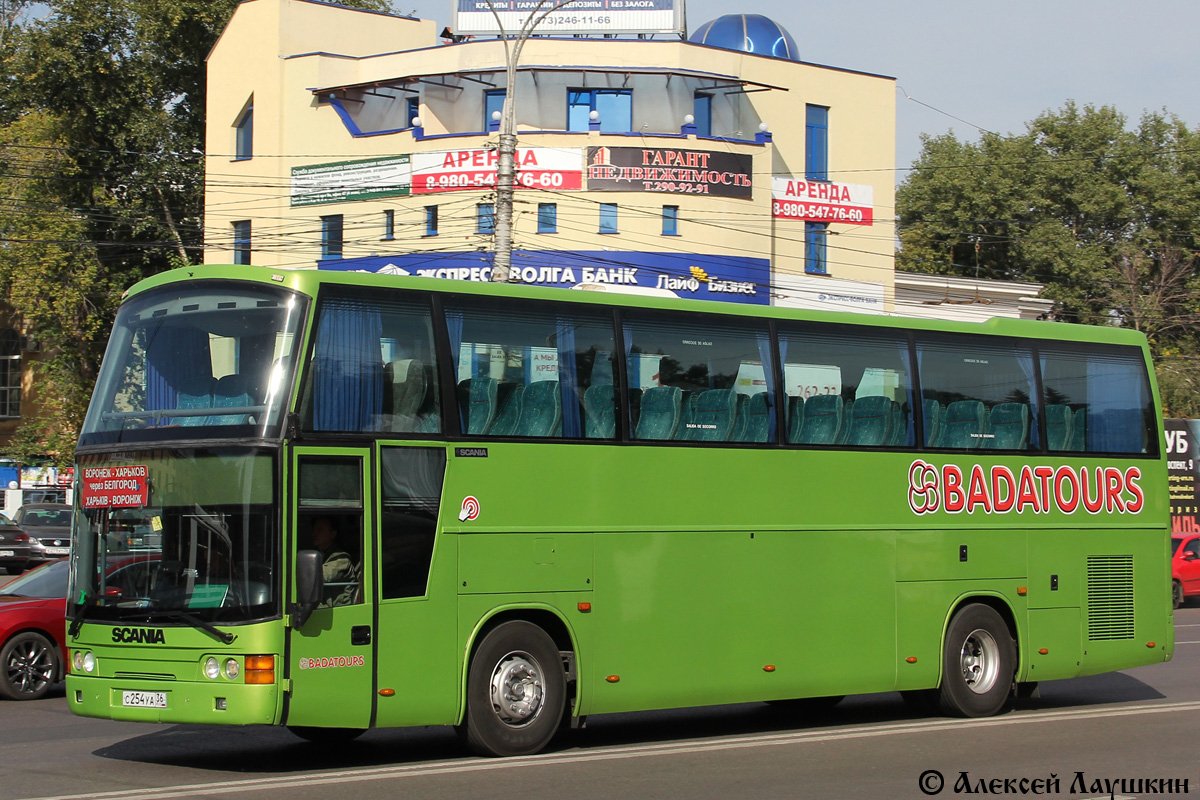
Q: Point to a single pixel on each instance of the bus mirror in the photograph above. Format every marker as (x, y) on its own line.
(309, 585)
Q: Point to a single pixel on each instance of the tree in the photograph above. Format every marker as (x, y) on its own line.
(1108, 218)
(102, 140)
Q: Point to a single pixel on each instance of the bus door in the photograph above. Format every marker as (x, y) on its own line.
(330, 659)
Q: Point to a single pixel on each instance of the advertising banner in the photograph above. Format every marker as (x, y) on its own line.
(661, 169)
(476, 17)
(537, 168)
(822, 201)
(734, 279)
(341, 181)
(1183, 464)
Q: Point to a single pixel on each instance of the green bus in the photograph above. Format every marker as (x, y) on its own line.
(363, 501)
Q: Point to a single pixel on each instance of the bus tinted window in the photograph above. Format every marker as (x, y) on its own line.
(700, 379)
(373, 367)
(532, 370)
(412, 490)
(847, 386)
(977, 394)
(1097, 400)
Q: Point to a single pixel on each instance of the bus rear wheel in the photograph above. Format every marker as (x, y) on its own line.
(516, 691)
(978, 663)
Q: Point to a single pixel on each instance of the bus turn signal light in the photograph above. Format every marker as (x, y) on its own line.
(613, 678)
(911, 659)
(1022, 590)
(585, 607)
(769, 668)
(260, 669)
(387, 692)
(1043, 651)
(1151, 645)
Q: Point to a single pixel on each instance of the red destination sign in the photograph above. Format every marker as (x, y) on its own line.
(115, 487)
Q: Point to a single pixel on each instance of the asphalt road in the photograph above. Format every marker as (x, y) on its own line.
(1139, 724)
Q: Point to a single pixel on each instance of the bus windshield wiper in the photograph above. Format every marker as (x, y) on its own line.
(86, 602)
(191, 619)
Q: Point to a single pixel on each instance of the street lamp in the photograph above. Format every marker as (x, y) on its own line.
(507, 150)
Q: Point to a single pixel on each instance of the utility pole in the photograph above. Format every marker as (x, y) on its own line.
(506, 170)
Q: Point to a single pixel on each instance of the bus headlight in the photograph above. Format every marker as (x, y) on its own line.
(231, 669)
(212, 668)
(83, 661)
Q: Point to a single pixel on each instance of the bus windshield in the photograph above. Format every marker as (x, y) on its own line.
(197, 360)
(213, 559)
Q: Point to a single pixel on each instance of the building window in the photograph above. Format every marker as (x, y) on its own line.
(485, 218)
(670, 221)
(431, 221)
(493, 103)
(702, 111)
(816, 143)
(389, 224)
(614, 107)
(331, 236)
(243, 139)
(413, 106)
(815, 235)
(547, 218)
(241, 242)
(608, 217)
(10, 373)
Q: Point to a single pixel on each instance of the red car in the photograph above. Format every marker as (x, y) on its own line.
(33, 631)
(1185, 568)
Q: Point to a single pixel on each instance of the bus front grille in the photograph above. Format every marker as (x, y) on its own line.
(1109, 598)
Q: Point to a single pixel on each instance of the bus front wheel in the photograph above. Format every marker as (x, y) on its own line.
(978, 663)
(516, 691)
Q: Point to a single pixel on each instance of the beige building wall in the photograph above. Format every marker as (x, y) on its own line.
(275, 53)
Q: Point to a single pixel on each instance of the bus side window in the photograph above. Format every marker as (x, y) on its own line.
(1097, 399)
(411, 493)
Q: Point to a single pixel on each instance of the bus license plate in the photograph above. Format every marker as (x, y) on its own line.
(144, 699)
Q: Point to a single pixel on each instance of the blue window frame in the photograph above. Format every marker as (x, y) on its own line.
(389, 224)
(243, 140)
(241, 242)
(702, 111)
(547, 218)
(816, 143)
(815, 236)
(331, 236)
(670, 221)
(431, 220)
(485, 218)
(608, 218)
(412, 111)
(493, 101)
(615, 107)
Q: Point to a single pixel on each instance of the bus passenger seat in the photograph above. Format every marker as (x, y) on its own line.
(738, 434)
(900, 423)
(541, 410)
(406, 380)
(822, 419)
(844, 431)
(477, 403)
(715, 412)
(963, 425)
(1078, 443)
(795, 418)
(1009, 427)
(758, 419)
(508, 409)
(195, 393)
(870, 423)
(1058, 427)
(231, 392)
(599, 410)
(687, 416)
(933, 421)
(661, 410)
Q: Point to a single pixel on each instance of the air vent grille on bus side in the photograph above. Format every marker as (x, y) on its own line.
(1109, 598)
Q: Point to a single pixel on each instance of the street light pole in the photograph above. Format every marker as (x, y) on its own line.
(506, 170)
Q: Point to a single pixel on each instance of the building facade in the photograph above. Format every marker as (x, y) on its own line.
(721, 167)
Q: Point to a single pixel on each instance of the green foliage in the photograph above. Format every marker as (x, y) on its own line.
(1107, 217)
(101, 175)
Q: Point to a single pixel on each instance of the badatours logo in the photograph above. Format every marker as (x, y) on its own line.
(138, 635)
(1034, 489)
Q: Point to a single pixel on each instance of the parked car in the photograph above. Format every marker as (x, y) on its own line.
(33, 631)
(1185, 568)
(49, 527)
(15, 546)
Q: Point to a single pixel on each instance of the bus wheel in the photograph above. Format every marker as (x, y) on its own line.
(1176, 594)
(516, 691)
(978, 664)
(330, 736)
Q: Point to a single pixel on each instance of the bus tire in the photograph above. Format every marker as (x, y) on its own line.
(516, 691)
(978, 663)
(1176, 594)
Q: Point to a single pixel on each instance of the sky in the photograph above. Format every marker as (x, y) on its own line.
(967, 64)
